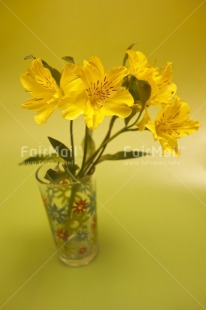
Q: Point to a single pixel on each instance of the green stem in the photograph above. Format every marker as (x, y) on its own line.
(70, 205)
(72, 140)
(138, 117)
(71, 199)
(101, 150)
(133, 129)
(85, 151)
(94, 159)
(104, 142)
(93, 156)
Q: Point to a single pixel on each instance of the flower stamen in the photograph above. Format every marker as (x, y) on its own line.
(100, 91)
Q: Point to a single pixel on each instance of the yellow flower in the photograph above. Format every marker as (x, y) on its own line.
(139, 66)
(171, 123)
(163, 91)
(95, 92)
(73, 103)
(145, 120)
(45, 92)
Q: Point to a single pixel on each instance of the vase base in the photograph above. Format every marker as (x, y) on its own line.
(78, 262)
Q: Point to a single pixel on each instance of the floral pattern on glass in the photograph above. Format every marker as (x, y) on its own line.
(71, 210)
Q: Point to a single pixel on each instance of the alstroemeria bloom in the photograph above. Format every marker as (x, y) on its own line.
(45, 92)
(95, 92)
(171, 123)
(162, 89)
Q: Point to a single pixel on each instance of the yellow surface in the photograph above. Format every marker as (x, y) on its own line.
(152, 213)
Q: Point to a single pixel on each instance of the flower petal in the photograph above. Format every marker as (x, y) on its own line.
(92, 70)
(172, 123)
(116, 76)
(71, 110)
(174, 120)
(163, 91)
(70, 81)
(42, 116)
(169, 146)
(93, 117)
(88, 89)
(119, 104)
(39, 82)
(74, 100)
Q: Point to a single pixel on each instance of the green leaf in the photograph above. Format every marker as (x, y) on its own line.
(139, 89)
(66, 154)
(54, 72)
(90, 143)
(29, 57)
(134, 112)
(33, 160)
(144, 90)
(55, 176)
(38, 159)
(70, 168)
(122, 155)
(62, 150)
(69, 59)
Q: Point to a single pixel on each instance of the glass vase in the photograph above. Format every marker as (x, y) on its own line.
(71, 211)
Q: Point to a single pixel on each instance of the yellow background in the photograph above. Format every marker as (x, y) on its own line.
(152, 212)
